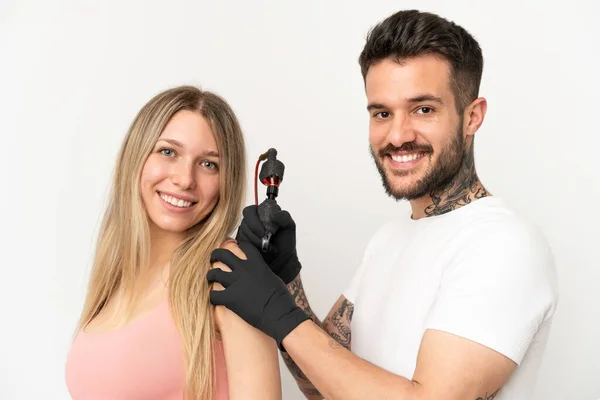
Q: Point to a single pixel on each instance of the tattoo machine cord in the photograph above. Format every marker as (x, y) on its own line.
(271, 175)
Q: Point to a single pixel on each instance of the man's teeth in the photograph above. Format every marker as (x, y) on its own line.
(406, 158)
(175, 202)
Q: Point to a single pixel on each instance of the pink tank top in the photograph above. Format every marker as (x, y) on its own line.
(142, 360)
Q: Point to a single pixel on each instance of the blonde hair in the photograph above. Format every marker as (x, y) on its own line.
(123, 246)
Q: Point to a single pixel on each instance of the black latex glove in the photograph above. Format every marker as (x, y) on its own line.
(281, 257)
(255, 293)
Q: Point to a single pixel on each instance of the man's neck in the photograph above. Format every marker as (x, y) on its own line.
(463, 189)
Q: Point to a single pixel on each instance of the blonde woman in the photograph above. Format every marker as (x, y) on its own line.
(147, 330)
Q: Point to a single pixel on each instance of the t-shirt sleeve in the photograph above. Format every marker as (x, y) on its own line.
(497, 290)
(353, 288)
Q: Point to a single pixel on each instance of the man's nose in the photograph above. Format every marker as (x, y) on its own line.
(401, 131)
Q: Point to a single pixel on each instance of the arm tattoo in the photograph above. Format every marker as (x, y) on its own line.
(303, 383)
(297, 291)
(337, 326)
(461, 190)
(489, 397)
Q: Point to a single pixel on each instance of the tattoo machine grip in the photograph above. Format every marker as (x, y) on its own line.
(271, 175)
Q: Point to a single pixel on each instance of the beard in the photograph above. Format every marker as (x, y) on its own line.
(437, 175)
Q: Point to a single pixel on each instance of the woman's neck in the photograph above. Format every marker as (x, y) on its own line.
(162, 246)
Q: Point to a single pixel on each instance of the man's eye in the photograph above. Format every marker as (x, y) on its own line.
(382, 114)
(424, 110)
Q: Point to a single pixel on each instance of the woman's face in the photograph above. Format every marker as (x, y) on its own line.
(180, 179)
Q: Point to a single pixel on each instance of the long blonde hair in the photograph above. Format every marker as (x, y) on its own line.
(123, 247)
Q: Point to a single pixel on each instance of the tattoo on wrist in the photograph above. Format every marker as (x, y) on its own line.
(297, 291)
(311, 392)
(489, 397)
(337, 327)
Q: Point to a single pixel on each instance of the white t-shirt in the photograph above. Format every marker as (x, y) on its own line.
(479, 272)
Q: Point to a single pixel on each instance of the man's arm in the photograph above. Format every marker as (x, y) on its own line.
(448, 367)
(475, 334)
(336, 324)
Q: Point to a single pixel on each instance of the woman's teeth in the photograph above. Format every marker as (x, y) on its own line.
(174, 201)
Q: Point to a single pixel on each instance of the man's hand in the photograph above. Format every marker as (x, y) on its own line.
(255, 293)
(244, 345)
(281, 257)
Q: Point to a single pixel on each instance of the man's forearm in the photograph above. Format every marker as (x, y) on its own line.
(339, 374)
(337, 325)
(297, 291)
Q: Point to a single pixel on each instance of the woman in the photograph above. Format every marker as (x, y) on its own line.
(147, 330)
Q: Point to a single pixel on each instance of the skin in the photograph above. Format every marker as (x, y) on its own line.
(185, 164)
(246, 346)
(412, 113)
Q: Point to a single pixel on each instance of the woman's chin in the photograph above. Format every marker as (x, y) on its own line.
(172, 227)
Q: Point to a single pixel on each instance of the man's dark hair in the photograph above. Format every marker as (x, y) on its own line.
(412, 33)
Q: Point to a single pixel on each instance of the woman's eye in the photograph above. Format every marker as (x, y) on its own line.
(167, 152)
(209, 164)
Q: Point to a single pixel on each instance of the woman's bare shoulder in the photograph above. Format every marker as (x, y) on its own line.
(232, 245)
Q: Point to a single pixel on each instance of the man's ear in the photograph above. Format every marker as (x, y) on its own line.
(474, 116)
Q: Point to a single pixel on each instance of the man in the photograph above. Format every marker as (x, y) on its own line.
(452, 302)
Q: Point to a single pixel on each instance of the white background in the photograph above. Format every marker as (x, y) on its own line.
(74, 74)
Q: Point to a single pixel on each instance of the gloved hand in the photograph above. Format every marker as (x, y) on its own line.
(255, 293)
(281, 257)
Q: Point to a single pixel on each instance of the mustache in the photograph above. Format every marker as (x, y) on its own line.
(410, 146)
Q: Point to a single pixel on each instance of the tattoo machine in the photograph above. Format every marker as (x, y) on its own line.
(271, 175)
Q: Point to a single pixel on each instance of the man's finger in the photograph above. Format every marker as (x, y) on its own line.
(283, 219)
(226, 257)
(218, 275)
(247, 235)
(251, 251)
(251, 219)
(219, 297)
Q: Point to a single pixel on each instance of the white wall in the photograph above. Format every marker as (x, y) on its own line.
(73, 75)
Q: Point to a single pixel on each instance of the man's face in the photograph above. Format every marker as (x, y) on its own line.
(415, 132)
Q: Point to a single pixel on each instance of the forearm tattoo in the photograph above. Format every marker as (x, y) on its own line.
(297, 291)
(489, 397)
(337, 326)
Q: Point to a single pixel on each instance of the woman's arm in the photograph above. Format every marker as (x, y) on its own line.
(250, 355)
